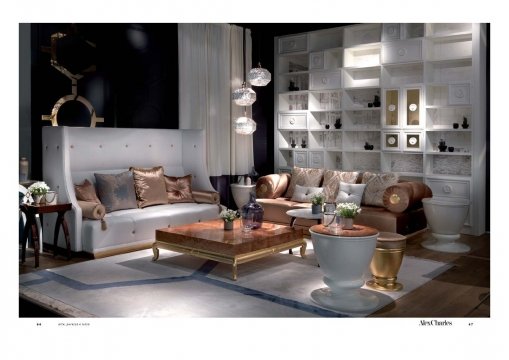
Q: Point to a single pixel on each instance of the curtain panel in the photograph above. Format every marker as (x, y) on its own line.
(210, 68)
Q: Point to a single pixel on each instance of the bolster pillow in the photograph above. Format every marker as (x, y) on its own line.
(91, 210)
(405, 196)
(208, 197)
(272, 186)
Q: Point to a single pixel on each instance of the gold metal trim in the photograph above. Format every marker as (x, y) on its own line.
(227, 259)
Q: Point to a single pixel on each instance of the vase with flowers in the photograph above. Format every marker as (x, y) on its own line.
(346, 213)
(229, 216)
(317, 203)
(37, 191)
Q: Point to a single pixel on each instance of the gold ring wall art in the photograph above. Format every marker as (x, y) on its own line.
(55, 38)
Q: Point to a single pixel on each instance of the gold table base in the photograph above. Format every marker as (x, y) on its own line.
(384, 267)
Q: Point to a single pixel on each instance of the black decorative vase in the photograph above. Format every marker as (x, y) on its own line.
(376, 101)
(338, 124)
(252, 213)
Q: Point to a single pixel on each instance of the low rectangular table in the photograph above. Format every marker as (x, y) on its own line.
(209, 240)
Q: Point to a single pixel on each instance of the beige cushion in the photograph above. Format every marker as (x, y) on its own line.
(92, 210)
(86, 192)
(376, 183)
(304, 177)
(331, 180)
(149, 186)
(179, 189)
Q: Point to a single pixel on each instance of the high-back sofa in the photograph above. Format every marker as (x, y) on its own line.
(72, 154)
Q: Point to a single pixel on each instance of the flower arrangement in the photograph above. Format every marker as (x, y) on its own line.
(318, 199)
(347, 210)
(38, 188)
(229, 215)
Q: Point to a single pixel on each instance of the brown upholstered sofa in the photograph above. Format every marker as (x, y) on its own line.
(388, 203)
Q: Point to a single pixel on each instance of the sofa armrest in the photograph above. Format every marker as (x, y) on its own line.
(205, 196)
(272, 186)
(405, 196)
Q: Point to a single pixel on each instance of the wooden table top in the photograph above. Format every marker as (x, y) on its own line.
(211, 236)
(357, 231)
(44, 209)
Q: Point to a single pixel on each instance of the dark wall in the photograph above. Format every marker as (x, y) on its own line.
(135, 83)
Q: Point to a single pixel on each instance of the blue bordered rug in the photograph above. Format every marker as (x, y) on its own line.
(132, 285)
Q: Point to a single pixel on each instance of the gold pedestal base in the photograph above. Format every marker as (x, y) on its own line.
(384, 267)
(384, 286)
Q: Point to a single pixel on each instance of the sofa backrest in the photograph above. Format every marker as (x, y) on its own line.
(72, 154)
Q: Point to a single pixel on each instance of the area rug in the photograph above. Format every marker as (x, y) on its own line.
(182, 286)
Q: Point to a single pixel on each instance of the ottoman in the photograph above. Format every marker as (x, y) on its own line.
(386, 262)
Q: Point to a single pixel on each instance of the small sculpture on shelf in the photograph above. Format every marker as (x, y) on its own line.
(442, 146)
(464, 125)
(303, 144)
(368, 146)
(292, 86)
(327, 126)
(338, 124)
(376, 101)
(455, 125)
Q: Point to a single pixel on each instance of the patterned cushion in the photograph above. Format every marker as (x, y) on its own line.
(376, 183)
(304, 177)
(305, 193)
(331, 180)
(86, 192)
(116, 191)
(178, 189)
(149, 186)
(350, 193)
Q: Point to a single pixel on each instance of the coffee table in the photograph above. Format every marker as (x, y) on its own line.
(209, 240)
(304, 214)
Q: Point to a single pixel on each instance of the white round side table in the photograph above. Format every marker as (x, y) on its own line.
(343, 258)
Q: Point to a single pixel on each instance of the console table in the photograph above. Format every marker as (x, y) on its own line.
(30, 212)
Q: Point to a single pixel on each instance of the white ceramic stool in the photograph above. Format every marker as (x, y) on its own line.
(445, 218)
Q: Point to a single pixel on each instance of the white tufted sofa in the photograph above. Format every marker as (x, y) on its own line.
(72, 154)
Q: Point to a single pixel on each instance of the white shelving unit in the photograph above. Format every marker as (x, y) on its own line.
(398, 87)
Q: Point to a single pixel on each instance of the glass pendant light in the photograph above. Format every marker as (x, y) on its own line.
(244, 125)
(259, 76)
(244, 96)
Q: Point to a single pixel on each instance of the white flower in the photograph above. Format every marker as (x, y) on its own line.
(229, 215)
(347, 210)
(38, 188)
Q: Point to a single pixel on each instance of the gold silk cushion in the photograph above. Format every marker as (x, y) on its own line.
(272, 186)
(332, 179)
(178, 189)
(86, 192)
(149, 186)
(405, 196)
(308, 177)
(376, 184)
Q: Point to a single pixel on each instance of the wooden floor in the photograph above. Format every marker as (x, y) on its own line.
(462, 291)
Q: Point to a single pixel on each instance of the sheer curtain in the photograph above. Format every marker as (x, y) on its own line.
(210, 68)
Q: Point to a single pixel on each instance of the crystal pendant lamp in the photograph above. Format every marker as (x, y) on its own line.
(244, 125)
(259, 76)
(244, 96)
